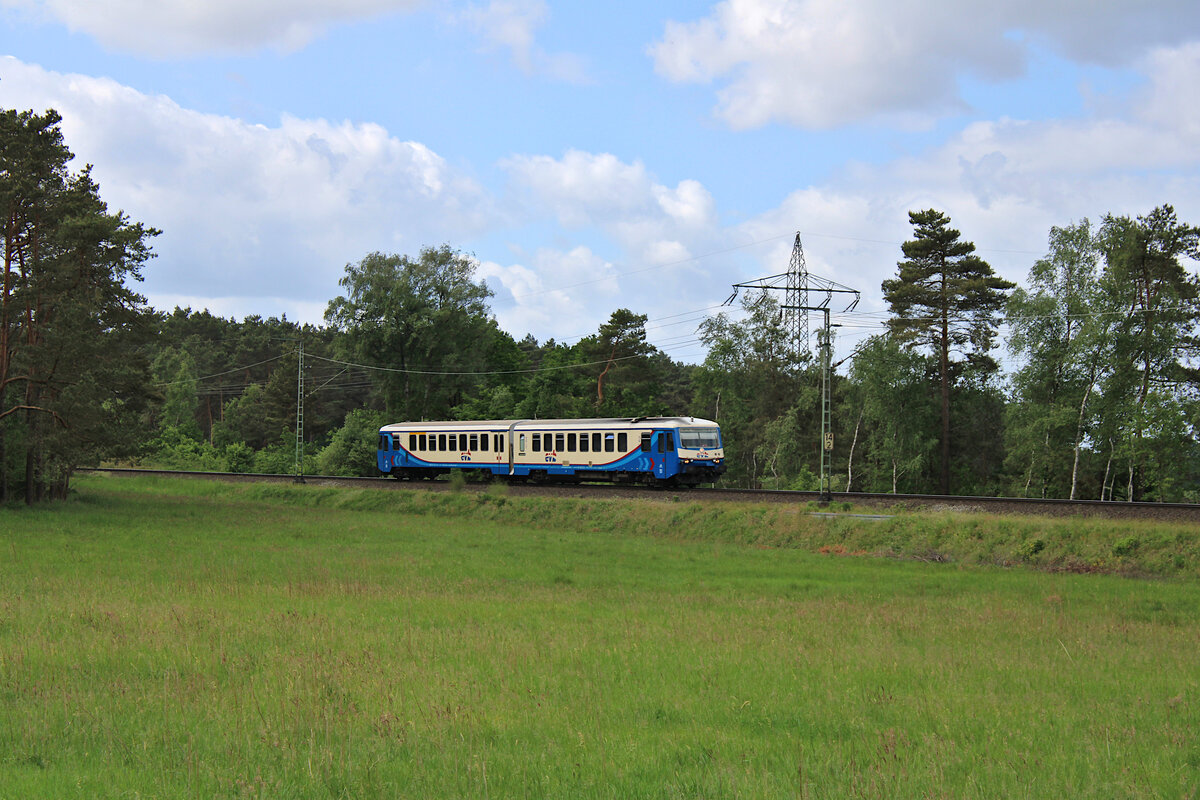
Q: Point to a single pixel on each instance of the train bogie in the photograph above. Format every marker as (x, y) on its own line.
(654, 450)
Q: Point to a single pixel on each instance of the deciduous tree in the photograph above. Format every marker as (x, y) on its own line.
(1153, 339)
(898, 416)
(749, 379)
(1061, 333)
(426, 319)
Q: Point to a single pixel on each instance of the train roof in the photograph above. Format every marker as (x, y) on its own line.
(505, 424)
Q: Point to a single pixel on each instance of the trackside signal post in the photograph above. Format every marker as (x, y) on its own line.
(797, 283)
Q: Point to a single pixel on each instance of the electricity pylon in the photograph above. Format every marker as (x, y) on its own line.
(798, 285)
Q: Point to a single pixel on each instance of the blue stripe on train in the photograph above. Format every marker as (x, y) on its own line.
(635, 461)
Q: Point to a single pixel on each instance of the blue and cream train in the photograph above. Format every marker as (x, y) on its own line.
(654, 450)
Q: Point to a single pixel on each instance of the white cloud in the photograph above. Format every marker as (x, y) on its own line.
(584, 188)
(825, 63)
(561, 288)
(512, 25)
(648, 219)
(1171, 100)
(246, 209)
(675, 256)
(173, 28)
(689, 204)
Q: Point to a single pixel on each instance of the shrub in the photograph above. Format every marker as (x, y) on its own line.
(1126, 547)
(351, 450)
(239, 457)
(1030, 548)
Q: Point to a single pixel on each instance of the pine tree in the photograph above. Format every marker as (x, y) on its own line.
(70, 384)
(947, 298)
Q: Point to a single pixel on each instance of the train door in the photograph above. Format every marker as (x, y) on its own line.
(512, 445)
(384, 456)
(666, 458)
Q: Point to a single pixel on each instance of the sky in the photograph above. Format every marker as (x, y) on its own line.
(592, 156)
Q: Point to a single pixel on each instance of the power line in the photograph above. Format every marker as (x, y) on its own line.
(473, 373)
(219, 374)
(859, 320)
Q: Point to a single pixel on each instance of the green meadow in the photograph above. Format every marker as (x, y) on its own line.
(176, 639)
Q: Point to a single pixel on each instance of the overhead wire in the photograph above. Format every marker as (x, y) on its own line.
(861, 321)
(219, 374)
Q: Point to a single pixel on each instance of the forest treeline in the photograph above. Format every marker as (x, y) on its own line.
(1104, 401)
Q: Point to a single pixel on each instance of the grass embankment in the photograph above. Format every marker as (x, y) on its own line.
(184, 639)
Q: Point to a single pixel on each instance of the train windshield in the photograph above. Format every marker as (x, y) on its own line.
(699, 438)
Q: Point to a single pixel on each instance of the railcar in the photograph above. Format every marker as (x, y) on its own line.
(651, 450)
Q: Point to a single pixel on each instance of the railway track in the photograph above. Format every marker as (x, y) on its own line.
(839, 501)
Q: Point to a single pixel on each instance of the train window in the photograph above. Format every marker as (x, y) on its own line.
(695, 438)
(595, 443)
(646, 441)
(484, 440)
(571, 442)
(441, 442)
(610, 443)
(670, 437)
(383, 441)
(622, 442)
(560, 442)
(474, 442)
(662, 443)
(499, 443)
(412, 441)
(421, 445)
(583, 442)
(521, 443)
(537, 443)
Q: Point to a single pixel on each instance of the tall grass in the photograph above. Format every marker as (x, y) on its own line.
(179, 639)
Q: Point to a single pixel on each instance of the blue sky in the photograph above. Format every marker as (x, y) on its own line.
(593, 156)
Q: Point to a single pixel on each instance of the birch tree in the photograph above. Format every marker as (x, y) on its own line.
(1061, 333)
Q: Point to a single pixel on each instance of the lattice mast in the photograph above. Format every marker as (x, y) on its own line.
(797, 284)
(795, 299)
(299, 478)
